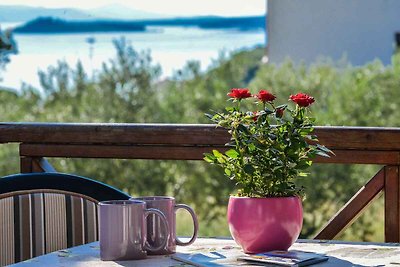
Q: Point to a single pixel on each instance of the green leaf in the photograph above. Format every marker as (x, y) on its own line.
(217, 154)
(209, 116)
(291, 165)
(221, 160)
(325, 149)
(268, 111)
(243, 128)
(232, 153)
(306, 131)
(303, 174)
(304, 164)
(272, 136)
(284, 106)
(209, 158)
(323, 154)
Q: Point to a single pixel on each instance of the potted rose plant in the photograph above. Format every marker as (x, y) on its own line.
(268, 150)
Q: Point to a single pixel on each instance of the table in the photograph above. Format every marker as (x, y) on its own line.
(340, 254)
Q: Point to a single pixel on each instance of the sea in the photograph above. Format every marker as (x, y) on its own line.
(170, 47)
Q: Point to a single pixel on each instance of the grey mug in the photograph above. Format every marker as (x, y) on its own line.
(122, 229)
(155, 236)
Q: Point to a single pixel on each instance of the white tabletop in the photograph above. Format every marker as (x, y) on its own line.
(340, 254)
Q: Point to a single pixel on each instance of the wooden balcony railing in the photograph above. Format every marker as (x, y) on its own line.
(352, 145)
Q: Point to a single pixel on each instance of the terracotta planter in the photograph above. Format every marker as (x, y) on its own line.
(264, 224)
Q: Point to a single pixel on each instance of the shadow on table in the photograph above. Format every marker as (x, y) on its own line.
(333, 261)
(151, 261)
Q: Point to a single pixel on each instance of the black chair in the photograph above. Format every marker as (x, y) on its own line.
(45, 212)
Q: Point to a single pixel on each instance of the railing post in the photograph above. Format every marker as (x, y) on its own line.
(35, 164)
(392, 204)
(29, 164)
(354, 207)
(26, 164)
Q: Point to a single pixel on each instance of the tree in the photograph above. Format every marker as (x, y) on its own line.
(7, 47)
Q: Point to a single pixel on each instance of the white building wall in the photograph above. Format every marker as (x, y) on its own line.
(304, 30)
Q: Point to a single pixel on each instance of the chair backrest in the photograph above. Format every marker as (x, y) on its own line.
(45, 212)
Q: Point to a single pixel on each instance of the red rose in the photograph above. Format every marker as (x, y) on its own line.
(302, 100)
(240, 93)
(265, 96)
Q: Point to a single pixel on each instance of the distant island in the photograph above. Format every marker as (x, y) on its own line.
(52, 25)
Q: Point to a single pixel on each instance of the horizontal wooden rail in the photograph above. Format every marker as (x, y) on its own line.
(174, 152)
(114, 133)
(352, 145)
(340, 138)
(117, 152)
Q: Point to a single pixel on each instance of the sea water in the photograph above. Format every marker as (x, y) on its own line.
(171, 47)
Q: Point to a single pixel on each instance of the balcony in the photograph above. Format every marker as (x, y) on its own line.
(352, 145)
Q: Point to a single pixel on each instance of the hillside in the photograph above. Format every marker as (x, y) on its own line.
(25, 13)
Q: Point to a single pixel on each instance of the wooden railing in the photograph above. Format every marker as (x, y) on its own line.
(352, 145)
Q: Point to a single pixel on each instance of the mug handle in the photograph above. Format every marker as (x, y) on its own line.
(195, 225)
(165, 227)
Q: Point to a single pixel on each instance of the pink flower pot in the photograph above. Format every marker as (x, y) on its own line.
(264, 224)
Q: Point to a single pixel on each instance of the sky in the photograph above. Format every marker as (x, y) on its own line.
(167, 7)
